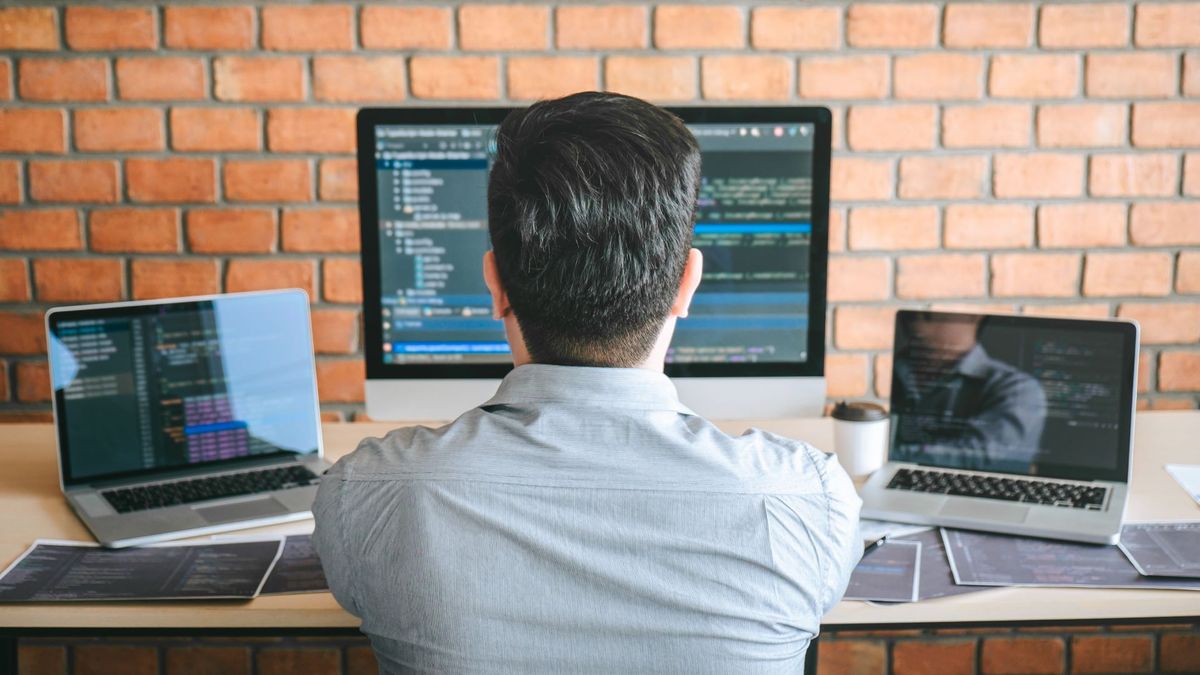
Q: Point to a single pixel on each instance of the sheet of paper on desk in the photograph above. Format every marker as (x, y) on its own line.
(66, 571)
(1188, 477)
(298, 570)
(936, 579)
(888, 573)
(1163, 549)
(1003, 560)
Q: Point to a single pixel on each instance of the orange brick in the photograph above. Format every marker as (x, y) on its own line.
(1114, 274)
(134, 231)
(40, 230)
(939, 76)
(988, 25)
(47, 79)
(231, 230)
(892, 25)
(1038, 175)
(940, 276)
(93, 181)
(846, 375)
(1023, 656)
(657, 78)
(1179, 653)
(342, 280)
(857, 178)
(160, 79)
(533, 78)
(358, 78)
(1072, 310)
(942, 177)
(1165, 323)
(1191, 74)
(890, 228)
(311, 129)
(883, 389)
(361, 660)
(837, 230)
(172, 278)
(10, 182)
(256, 275)
(279, 180)
(340, 381)
(311, 28)
(214, 129)
(171, 180)
(78, 279)
(22, 333)
(1084, 225)
(995, 125)
(1173, 404)
(1178, 371)
(1079, 26)
(1191, 175)
(335, 331)
(1130, 75)
(14, 286)
(896, 127)
(989, 226)
(324, 230)
(950, 657)
(29, 130)
(118, 129)
(853, 279)
(502, 27)
(209, 28)
(864, 327)
(1187, 279)
(104, 29)
(795, 28)
(844, 77)
(605, 27)
(1034, 76)
(1145, 175)
(1165, 223)
(1088, 125)
(338, 180)
(755, 78)
(1167, 24)
(1110, 654)
(1166, 125)
(5, 80)
(1035, 275)
(698, 27)
(33, 381)
(238, 78)
(28, 28)
(405, 27)
(199, 660)
(455, 77)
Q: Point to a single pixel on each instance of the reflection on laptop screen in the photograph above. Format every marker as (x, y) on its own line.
(1008, 394)
(169, 385)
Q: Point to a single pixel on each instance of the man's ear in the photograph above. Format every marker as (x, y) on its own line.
(491, 277)
(692, 271)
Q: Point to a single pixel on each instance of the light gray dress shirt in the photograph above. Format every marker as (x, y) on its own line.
(584, 521)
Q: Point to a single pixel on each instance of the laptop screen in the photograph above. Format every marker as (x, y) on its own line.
(1022, 395)
(151, 387)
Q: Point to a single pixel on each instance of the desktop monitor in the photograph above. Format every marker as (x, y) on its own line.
(753, 345)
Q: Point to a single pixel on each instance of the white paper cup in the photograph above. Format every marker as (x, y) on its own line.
(860, 437)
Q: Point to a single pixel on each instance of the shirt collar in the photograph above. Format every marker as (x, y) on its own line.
(975, 363)
(611, 387)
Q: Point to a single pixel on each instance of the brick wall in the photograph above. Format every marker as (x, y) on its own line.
(1036, 157)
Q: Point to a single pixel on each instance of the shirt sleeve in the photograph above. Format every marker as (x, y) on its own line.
(329, 537)
(845, 546)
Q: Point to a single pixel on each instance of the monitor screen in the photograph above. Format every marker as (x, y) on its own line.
(761, 226)
(1010, 394)
(158, 386)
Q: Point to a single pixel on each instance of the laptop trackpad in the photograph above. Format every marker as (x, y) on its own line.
(248, 510)
(999, 512)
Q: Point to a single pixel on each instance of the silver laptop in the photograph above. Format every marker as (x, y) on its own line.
(1009, 424)
(183, 417)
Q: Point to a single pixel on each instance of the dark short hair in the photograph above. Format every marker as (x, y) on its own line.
(591, 207)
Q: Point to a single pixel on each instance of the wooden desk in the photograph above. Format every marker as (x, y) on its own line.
(31, 507)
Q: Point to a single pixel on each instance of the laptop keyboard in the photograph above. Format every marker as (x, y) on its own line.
(1071, 495)
(144, 497)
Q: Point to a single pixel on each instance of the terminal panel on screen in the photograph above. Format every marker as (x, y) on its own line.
(754, 226)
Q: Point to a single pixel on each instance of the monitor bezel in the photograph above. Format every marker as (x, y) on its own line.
(1129, 332)
(56, 315)
(376, 369)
